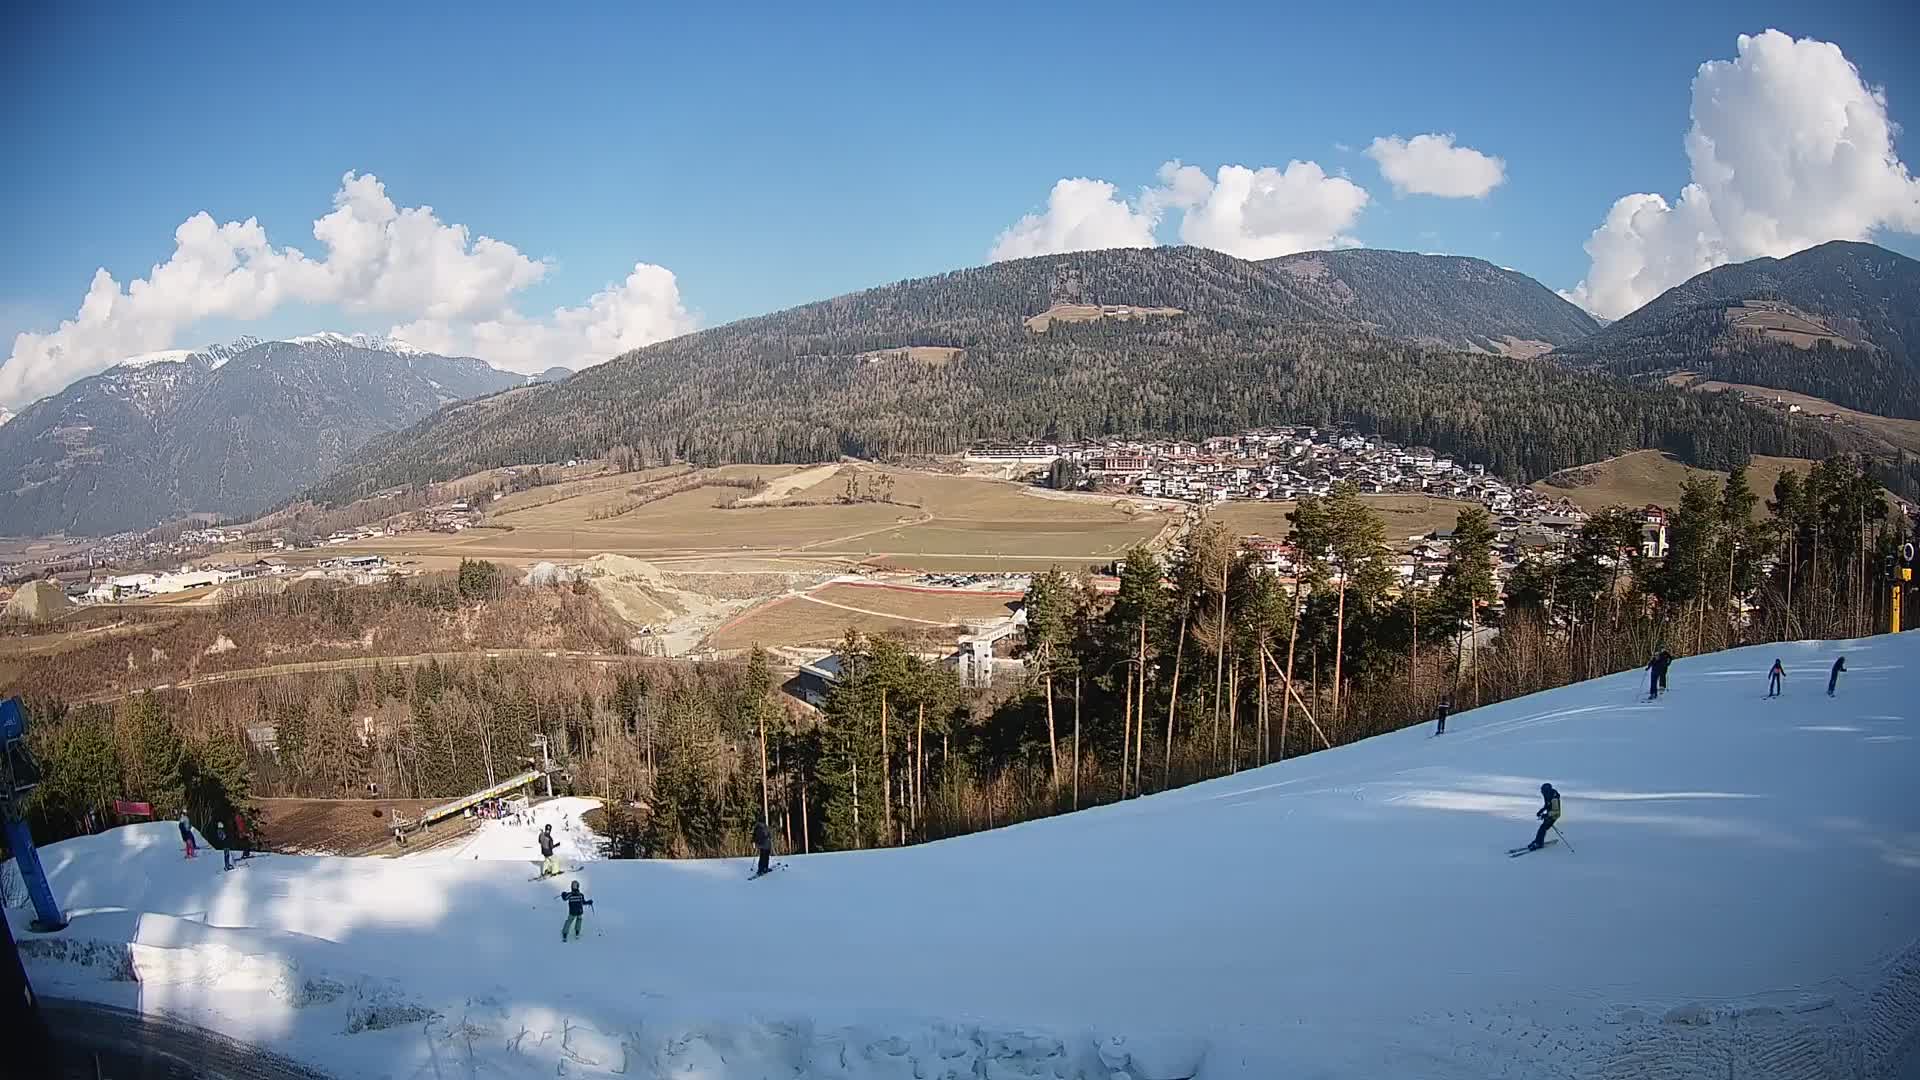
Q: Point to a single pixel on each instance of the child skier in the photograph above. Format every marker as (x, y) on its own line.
(549, 866)
(577, 902)
(226, 850)
(186, 834)
(763, 843)
(1440, 715)
(1773, 678)
(1833, 677)
(1548, 815)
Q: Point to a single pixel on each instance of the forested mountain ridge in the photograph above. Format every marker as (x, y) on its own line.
(229, 430)
(1839, 321)
(1253, 345)
(1445, 300)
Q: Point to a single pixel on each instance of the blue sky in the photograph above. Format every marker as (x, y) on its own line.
(767, 156)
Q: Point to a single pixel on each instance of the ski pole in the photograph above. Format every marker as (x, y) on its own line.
(1563, 839)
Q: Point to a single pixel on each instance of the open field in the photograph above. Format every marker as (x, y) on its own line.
(1405, 516)
(794, 620)
(1650, 477)
(945, 606)
(985, 521)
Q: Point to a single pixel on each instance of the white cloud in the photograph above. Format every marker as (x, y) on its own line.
(1432, 165)
(1252, 213)
(1789, 148)
(643, 309)
(380, 259)
(1262, 213)
(1081, 215)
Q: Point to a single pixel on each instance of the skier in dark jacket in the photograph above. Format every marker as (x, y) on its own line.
(1833, 677)
(577, 903)
(1774, 674)
(763, 843)
(1549, 814)
(549, 866)
(1440, 712)
(1657, 672)
(186, 834)
(226, 850)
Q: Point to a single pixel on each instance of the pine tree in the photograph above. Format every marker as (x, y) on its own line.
(156, 763)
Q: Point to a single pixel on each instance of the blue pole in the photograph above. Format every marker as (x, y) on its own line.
(20, 838)
(13, 792)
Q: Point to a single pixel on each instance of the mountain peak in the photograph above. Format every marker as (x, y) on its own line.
(371, 342)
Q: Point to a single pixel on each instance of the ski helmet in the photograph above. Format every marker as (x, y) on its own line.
(576, 886)
(1546, 789)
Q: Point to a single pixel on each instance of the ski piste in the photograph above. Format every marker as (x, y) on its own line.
(1515, 853)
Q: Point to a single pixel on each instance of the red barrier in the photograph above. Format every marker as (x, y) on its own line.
(132, 809)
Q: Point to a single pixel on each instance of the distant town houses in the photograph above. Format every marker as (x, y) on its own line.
(1294, 462)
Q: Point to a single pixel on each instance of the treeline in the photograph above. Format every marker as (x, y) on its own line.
(1258, 345)
(1195, 667)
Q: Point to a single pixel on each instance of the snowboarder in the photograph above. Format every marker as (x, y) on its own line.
(549, 866)
(577, 902)
(1548, 815)
(1773, 678)
(1440, 715)
(186, 834)
(763, 843)
(220, 839)
(1833, 677)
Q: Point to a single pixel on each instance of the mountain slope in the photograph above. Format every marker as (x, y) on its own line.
(1444, 300)
(1180, 341)
(1839, 321)
(227, 430)
(1736, 895)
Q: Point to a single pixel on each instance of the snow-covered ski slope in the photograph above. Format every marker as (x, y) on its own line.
(1739, 895)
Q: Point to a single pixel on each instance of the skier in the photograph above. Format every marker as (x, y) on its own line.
(186, 834)
(1773, 678)
(762, 842)
(1440, 715)
(576, 903)
(1548, 815)
(220, 838)
(1833, 677)
(241, 834)
(549, 866)
(1666, 661)
(1656, 674)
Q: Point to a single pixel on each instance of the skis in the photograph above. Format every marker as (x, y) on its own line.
(771, 867)
(564, 871)
(1515, 853)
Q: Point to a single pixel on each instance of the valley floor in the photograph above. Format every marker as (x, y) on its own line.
(1738, 895)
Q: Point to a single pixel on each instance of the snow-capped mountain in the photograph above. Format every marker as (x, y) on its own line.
(5, 415)
(228, 429)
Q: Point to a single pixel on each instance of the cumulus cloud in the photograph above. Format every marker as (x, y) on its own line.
(1262, 213)
(1081, 215)
(379, 258)
(1789, 148)
(643, 309)
(1432, 165)
(1252, 213)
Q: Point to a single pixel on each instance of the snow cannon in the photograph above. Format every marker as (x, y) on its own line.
(20, 774)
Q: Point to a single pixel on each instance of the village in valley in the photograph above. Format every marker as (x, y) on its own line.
(1288, 463)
